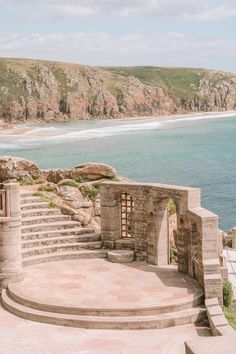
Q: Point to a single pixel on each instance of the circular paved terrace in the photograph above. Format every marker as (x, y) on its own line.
(99, 284)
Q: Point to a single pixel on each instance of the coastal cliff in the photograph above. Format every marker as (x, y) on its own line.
(50, 91)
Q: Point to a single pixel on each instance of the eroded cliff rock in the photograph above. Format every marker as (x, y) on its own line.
(46, 91)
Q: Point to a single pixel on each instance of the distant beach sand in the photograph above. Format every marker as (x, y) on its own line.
(28, 129)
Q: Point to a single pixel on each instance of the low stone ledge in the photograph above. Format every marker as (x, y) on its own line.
(120, 256)
(211, 302)
(211, 345)
(217, 319)
(224, 340)
(214, 310)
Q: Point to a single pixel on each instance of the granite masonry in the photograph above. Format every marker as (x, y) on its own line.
(134, 230)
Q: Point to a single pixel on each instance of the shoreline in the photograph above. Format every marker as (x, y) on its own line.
(167, 117)
(18, 129)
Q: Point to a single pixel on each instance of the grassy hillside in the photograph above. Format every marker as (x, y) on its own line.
(178, 81)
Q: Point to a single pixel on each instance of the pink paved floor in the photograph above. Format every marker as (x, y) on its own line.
(18, 336)
(97, 283)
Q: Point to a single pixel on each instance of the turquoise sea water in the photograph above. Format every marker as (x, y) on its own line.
(195, 152)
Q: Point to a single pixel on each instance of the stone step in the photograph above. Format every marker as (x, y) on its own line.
(59, 248)
(25, 194)
(165, 320)
(45, 258)
(36, 220)
(37, 205)
(40, 212)
(60, 240)
(28, 200)
(178, 305)
(84, 233)
(60, 225)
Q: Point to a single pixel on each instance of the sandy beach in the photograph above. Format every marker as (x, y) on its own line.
(31, 131)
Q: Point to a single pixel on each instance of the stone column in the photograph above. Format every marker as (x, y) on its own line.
(158, 230)
(234, 238)
(182, 247)
(10, 235)
(110, 217)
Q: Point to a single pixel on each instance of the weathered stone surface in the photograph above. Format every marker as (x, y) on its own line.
(198, 243)
(120, 256)
(89, 171)
(94, 171)
(83, 216)
(57, 175)
(22, 169)
(17, 168)
(71, 194)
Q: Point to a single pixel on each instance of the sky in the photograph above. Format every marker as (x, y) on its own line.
(182, 33)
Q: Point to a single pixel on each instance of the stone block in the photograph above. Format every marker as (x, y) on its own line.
(120, 256)
(124, 244)
(211, 302)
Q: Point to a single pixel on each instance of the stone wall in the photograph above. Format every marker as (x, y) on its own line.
(198, 242)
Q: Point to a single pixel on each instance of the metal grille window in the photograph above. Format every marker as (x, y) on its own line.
(127, 216)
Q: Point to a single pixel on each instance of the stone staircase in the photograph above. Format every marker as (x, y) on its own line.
(48, 235)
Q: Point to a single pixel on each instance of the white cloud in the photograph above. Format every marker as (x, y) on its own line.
(105, 49)
(190, 10)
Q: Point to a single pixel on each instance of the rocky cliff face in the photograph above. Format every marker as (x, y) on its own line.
(46, 91)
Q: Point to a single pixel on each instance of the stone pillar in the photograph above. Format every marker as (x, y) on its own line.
(158, 231)
(10, 235)
(234, 238)
(182, 247)
(110, 217)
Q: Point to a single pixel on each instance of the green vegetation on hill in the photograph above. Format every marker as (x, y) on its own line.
(179, 81)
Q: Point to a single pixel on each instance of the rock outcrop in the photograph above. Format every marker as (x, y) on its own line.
(49, 91)
(75, 191)
(15, 168)
(18, 169)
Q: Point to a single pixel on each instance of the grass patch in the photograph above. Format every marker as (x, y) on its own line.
(230, 315)
(178, 81)
(228, 301)
(80, 179)
(92, 191)
(228, 294)
(47, 188)
(171, 207)
(46, 199)
(68, 182)
(31, 182)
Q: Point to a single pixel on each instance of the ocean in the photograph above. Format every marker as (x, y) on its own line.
(198, 151)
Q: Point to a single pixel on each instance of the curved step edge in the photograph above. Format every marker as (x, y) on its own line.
(118, 312)
(63, 256)
(92, 322)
